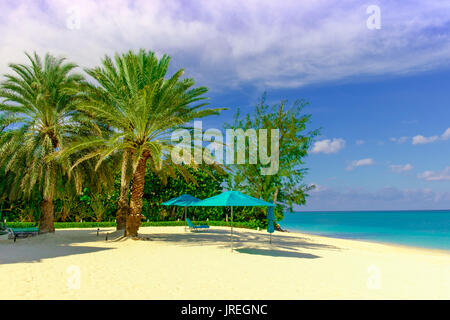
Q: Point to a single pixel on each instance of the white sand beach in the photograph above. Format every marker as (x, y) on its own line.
(175, 264)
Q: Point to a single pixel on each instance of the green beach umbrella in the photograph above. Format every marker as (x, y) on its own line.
(185, 200)
(232, 199)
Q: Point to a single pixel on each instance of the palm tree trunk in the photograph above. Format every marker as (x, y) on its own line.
(46, 220)
(137, 191)
(123, 207)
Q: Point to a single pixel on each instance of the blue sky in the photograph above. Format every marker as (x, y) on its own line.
(381, 96)
(377, 118)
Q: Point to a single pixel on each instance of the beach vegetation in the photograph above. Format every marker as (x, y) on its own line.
(286, 187)
(97, 149)
(38, 116)
(134, 96)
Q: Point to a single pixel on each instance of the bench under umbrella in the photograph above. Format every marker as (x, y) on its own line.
(232, 199)
(185, 200)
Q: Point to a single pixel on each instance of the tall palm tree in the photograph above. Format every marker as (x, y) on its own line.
(39, 115)
(142, 107)
(108, 104)
(120, 83)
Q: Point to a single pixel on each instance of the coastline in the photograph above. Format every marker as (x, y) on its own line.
(387, 243)
(428, 229)
(182, 265)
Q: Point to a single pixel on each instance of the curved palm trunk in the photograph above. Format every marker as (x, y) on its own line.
(137, 191)
(46, 220)
(123, 207)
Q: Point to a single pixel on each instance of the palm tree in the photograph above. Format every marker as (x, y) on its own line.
(39, 117)
(108, 104)
(142, 108)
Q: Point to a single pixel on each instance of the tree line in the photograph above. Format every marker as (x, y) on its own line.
(96, 146)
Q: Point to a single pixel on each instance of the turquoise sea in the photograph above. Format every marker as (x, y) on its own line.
(428, 229)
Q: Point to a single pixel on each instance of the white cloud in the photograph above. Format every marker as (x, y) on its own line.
(435, 176)
(419, 139)
(399, 140)
(360, 142)
(360, 163)
(387, 198)
(266, 43)
(328, 146)
(398, 168)
(446, 134)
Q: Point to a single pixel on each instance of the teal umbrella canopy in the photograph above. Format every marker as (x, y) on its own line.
(185, 200)
(232, 199)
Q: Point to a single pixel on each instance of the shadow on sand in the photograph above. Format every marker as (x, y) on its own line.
(34, 249)
(70, 242)
(245, 242)
(277, 253)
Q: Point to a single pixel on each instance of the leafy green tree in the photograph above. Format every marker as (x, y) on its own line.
(205, 183)
(286, 186)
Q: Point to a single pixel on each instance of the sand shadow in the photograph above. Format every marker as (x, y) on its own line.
(277, 253)
(40, 247)
(283, 245)
(34, 249)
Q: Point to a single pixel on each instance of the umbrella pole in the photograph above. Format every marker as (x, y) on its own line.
(185, 216)
(231, 234)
